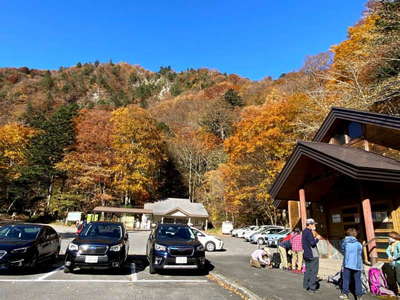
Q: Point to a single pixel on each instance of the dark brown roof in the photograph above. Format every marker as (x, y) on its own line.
(350, 115)
(355, 163)
(121, 210)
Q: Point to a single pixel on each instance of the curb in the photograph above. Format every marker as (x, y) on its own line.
(240, 290)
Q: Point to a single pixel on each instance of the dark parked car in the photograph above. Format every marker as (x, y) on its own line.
(26, 245)
(174, 246)
(99, 245)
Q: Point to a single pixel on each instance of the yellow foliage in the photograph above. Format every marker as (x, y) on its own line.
(138, 150)
(14, 139)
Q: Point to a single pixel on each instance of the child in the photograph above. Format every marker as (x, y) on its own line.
(393, 253)
(352, 263)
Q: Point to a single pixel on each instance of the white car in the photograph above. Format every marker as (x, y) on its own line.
(210, 242)
(241, 232)
(249, 233)
(259, 237)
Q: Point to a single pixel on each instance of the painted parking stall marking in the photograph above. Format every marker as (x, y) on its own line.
(50, 273)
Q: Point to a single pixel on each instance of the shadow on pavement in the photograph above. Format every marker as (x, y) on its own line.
(141, 264)
(41, 268)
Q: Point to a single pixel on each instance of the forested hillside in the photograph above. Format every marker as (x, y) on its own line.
(117, 134)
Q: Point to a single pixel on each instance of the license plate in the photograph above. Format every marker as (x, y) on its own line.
(91, 259)
(181, 260)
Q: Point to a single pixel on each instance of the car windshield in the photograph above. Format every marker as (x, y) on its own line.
(109, 231)
(19, 232)
(175, 233)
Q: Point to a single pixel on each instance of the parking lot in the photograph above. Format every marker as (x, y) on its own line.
(133, 281)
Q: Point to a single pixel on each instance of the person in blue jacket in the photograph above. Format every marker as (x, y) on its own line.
(352, 263)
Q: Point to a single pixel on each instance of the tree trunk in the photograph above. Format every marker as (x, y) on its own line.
(50, 191)
(190, 178)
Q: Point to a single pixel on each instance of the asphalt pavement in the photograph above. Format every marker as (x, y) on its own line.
(230, 268)
(274, 284)
(132, 282)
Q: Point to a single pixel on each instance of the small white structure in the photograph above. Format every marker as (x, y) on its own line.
(227, 227)
(178, 210)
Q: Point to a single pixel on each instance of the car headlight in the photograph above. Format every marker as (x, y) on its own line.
(73, 247)
(200, 248)
(20, 250)
(159, 247)
(116, 248)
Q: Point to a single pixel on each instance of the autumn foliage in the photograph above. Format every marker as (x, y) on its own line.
(117, 134)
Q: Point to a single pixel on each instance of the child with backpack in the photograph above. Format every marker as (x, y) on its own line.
(352, 264)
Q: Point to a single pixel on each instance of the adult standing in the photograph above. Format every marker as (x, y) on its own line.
(283, 248)
(352, 264)
(393, 253)
(297, 251)
(309, 240)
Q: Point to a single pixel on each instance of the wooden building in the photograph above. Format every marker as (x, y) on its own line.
(178, 210)
(348, 176)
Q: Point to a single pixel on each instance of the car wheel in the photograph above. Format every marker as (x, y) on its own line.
(210, 246)
(152, 269)
(260, 241)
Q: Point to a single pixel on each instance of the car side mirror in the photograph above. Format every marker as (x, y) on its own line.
(126, 237)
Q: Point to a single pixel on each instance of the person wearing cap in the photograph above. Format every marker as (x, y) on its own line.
(309, 241)
(260, 258)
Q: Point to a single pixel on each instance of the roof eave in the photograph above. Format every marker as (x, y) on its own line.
(352, 115)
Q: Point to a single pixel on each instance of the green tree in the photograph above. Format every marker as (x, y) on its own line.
(233, 98)
(47, 81)
(48, 147)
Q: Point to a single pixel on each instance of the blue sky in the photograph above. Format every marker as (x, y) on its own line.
(252, 38)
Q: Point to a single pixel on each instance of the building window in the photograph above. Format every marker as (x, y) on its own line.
(355, 130)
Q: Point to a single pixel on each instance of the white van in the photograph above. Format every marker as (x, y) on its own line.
(227, 227)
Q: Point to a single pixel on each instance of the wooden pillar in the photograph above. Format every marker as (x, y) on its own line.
(162, 220)
(369, 229)
(303, 211)
(206, 227)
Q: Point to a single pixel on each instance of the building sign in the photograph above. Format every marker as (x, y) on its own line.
(336, 218)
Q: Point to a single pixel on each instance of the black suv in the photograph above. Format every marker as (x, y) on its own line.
(26, 245)
(99, 245)
(174, 246)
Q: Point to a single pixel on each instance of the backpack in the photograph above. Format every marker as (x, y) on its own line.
(336, 279)
(364, 282)
(275, 260)
(378, 283)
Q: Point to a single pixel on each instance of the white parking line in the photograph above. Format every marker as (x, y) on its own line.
(172, 280)
(133, 272)
(62, 280)
(106, 281)
(49, 274)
